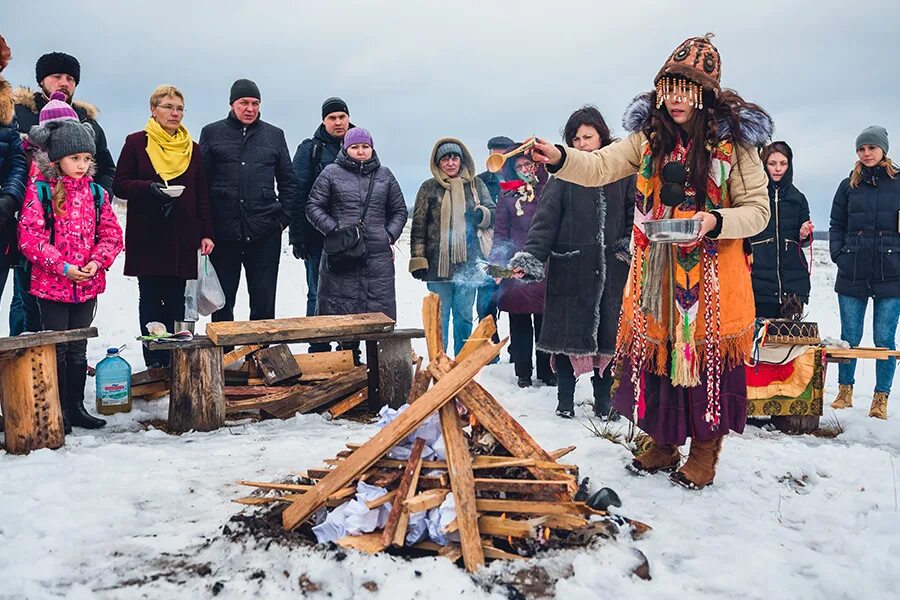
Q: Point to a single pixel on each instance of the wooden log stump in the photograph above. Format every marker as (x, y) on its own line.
(395, 371)
(29, 396)
(197, 399)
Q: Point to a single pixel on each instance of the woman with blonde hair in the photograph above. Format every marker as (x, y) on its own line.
(160, 172)
(864, 240)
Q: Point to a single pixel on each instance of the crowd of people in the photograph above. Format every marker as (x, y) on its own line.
(663, 330)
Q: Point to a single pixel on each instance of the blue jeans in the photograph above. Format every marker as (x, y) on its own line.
(313, 264)
(486, 303)
(884, 334)
(457, 299)
(24, 313)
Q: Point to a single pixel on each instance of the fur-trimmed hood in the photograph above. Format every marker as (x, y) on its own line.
(50, 171)
(27, 97)
(7, 103)
(756, 127)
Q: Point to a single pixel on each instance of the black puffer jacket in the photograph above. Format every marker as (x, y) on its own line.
(312, 156)
(779, 263)
(336, 200)
(13, 174)
(28, 111)
(863, 237)
(242, 165)
(585, 234)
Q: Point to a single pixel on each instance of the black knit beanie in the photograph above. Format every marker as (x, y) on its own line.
(243, 88)
(334, 105)
(57, 62)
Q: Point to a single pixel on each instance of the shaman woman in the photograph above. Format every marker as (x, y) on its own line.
(687, 313)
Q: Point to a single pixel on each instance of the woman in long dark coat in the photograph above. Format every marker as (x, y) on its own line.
(336, 200)
(780, 270)
(585, 233)
(162, 232)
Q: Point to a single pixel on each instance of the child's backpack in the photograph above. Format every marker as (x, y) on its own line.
(45, 195)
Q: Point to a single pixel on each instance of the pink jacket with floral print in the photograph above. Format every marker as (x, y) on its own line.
(73, 238)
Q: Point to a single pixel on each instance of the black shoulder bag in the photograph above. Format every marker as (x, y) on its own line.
(345, 247)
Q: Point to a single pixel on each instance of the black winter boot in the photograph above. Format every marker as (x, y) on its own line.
(602, 400)
(76, 376)
(565, 392)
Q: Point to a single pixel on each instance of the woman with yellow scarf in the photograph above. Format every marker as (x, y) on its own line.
(160, 173)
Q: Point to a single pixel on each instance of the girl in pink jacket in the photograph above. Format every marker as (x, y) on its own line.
(70, 236)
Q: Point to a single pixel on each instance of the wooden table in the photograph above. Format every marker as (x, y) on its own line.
(29, 390)
(197, 399)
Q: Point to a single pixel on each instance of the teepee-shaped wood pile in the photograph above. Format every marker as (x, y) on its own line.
(489, 507)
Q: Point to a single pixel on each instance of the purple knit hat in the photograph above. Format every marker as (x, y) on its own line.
(357, 135)
(57, 109)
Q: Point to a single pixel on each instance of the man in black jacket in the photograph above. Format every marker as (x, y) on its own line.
(54, 72)
(313, 155)
(244, 158)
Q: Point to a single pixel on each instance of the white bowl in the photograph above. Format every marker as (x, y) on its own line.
(173, 190)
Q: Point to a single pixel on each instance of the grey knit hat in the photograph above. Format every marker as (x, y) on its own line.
(874, 135)
(63, 138)
(445, 149)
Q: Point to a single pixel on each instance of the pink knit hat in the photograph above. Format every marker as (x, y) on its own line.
(57, 109)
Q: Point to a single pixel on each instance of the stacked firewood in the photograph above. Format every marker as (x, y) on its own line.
(277, 384)
(509, 495)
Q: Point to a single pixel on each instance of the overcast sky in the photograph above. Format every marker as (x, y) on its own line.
(414, 71)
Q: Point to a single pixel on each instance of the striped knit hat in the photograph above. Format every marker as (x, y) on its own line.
(57, 109)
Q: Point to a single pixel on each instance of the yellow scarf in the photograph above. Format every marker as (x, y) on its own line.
(170, 155)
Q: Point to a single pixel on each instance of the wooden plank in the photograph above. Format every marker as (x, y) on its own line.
(520, 486)
(370, 543)
(347, 404)
(149, 376)
(285, 487)
(239, 353)
(558, 454)
(381, 500)
(297, 329)
(323, 365)
(242, 392)
(383, 478)
(413, 466)
(462, 483)
(403, 524)
(29, 398)
(425, 501)
(528, 507)
(385, 439)
(565, 522)
(495, 553)
(199, 342)
(147, 389)
(197, 399)
(45, 338)
(500, 423)
(277, 364)
(258, 402)
(485, 330)
(263, 500)
(504, 527)
(431, 319)
(312, 397)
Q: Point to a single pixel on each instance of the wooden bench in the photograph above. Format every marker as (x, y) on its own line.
(197, 398)
(29, 390)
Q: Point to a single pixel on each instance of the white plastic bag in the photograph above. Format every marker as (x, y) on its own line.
(204, 295)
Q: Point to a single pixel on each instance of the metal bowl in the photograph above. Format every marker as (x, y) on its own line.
(672, 231)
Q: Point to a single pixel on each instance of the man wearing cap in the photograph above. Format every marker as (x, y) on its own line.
(54, 72)
(313, 155)
(496, 145)
(244, 158)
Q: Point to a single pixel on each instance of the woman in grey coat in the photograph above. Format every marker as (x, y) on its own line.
(336, 200)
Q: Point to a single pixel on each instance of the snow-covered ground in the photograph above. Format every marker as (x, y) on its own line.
(132, 513)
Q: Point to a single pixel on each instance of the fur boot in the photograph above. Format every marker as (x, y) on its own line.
(660, 457)
(700, 468)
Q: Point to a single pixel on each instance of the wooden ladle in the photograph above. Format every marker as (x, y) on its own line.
(495, 161)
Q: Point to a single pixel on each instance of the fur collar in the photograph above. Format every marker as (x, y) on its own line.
(50, 171)
(7, 103)
(27, 97)
(756, 127)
